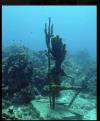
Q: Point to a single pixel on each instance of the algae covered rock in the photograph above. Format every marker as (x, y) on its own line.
(14, 112)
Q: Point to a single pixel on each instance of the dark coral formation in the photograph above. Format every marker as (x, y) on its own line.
(58, 51)
(55, 46)
(17, 69)
(23, 73)
(48, 33)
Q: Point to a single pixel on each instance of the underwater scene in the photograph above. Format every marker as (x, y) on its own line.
(49, 63)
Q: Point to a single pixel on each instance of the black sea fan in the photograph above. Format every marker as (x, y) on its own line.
(58, 50)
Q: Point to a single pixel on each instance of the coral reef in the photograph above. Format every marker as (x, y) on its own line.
(85, 102)
(17, 69)
(23, 73)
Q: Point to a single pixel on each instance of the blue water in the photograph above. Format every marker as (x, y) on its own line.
(75, 24)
